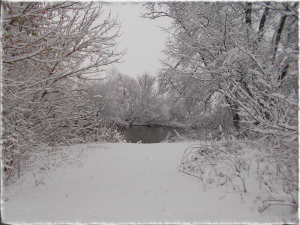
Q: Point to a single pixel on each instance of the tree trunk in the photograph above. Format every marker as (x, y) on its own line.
(248, 13)
(278, 35)
(235, 115)
(262, 22)
(248, 21)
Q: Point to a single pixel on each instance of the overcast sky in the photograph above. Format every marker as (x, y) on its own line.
(142, 37)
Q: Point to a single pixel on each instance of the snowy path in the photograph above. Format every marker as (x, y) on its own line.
(127, 183)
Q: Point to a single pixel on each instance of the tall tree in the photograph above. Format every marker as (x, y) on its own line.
(213, 44)
(50, 50)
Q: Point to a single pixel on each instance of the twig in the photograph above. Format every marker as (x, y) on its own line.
(268, 185)
(71, 159)
(278, 204)
(226, 178)
(203, 184)
(188, 173)
(242, 199)
(243, 182)
(249, 167)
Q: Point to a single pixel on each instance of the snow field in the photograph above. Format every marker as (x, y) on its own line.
(124, 182)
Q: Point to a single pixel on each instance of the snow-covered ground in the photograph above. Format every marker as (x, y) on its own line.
(125, 182)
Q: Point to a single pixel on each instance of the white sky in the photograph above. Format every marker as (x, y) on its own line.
(142, 37)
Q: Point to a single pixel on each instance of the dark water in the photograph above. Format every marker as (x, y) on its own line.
(149, 134)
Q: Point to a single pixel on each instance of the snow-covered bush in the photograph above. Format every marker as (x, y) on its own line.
(36, 166)
(104, 134)
(177, 138)
(234, 163)
(277, 169)
(215, 164)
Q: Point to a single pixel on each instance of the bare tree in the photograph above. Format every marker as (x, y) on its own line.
(129, 100)
(221, 47)
(50, 52)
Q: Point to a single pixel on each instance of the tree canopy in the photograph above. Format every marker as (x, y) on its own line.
(50, 51)
(245, 53)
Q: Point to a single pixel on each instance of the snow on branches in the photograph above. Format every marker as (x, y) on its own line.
(49, 52)
(247, 53)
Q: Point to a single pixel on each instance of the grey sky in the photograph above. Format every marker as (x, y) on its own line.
(142, 37)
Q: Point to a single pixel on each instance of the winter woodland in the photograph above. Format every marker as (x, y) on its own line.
(229, 77)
